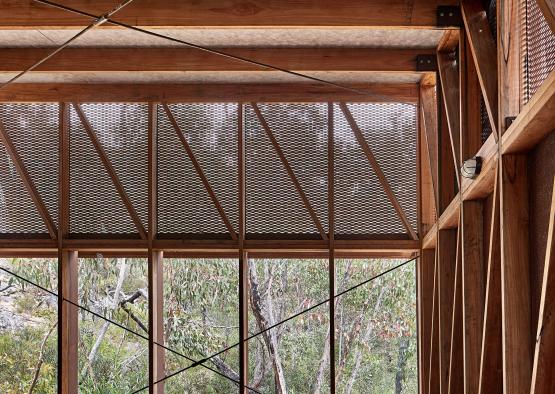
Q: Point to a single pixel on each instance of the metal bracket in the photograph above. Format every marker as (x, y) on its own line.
(426, 63)
(449, 16)
(509, 121)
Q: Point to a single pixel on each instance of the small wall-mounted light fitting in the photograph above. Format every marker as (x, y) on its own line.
(471, 168)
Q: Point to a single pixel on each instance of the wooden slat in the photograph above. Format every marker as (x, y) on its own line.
(331, 236)
(377, 170)
(425, 277)
(231, 14)
(145, 59)
(449, 76)
(69, 322)
(491, 376)
(28, 182)
(200, 172)
(290, 172)
(473, 284)
(195, 93)
(544, 355)
(111, 171)
(515, 274)
(484, 53)
(447, 255)
(456, 353)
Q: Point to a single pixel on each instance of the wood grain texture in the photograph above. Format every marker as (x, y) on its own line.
(428, 109)
(231, 13)
(195, 93)
(434, 369)
(456, 356)
(190, 59)
(544, 354)
(426, 264)
(69, 322)
(515, 274)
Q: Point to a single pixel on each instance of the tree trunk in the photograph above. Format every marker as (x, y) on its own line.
(358, 354)
(401, 364)
(104, 328)
(270, 338)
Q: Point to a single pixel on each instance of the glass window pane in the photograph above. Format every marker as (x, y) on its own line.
(294, 355)
(112, 359)
(375, 344)
(28, 321)
(201, 317)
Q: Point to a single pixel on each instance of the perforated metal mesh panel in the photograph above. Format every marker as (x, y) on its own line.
(491, 12)
(273, 203)
(484, 120)
(95, 204)
(33, 129)
(184, 205)
(538, 48)
(361, 204)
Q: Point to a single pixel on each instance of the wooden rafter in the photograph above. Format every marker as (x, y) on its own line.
(289, 170)
(111, 171)
(231, 14)
(200, 172)
(484, 53)
(204, 92)
(145, 59)
(377, 170)
(544, 354)
(28, 182)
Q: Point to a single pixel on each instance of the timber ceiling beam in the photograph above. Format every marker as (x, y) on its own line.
(231, 13)
(189, 59)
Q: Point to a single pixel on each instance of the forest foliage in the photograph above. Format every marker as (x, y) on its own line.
(375, 338)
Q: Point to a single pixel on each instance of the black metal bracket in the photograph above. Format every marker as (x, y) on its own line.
(426, 63)
(509, 121)
(449, 16)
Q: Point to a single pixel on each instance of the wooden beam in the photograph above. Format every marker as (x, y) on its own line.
(155, 264)
(331, 238)
(447, 177)
(434, 362)
(195, 93)
(69, 321)
(544, 354)
(200, 172)
(111, 171)
(534, 122)
(515, 274)
(425, 272)
(28, 182)
(447, 256)
(428, 108)
(377, 170)
(456, 354)
(472, 290)
(449, 76)
(231, 14)
(484, 53)
(491, 360)
(189, 59)
(243, 257)
(289, 170)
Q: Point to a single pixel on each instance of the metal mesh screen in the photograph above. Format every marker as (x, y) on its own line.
(538, 48)
(33, 129)
(184, 206)
(273, 203)
(361, 204)
(484, 120)
(96, 206)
